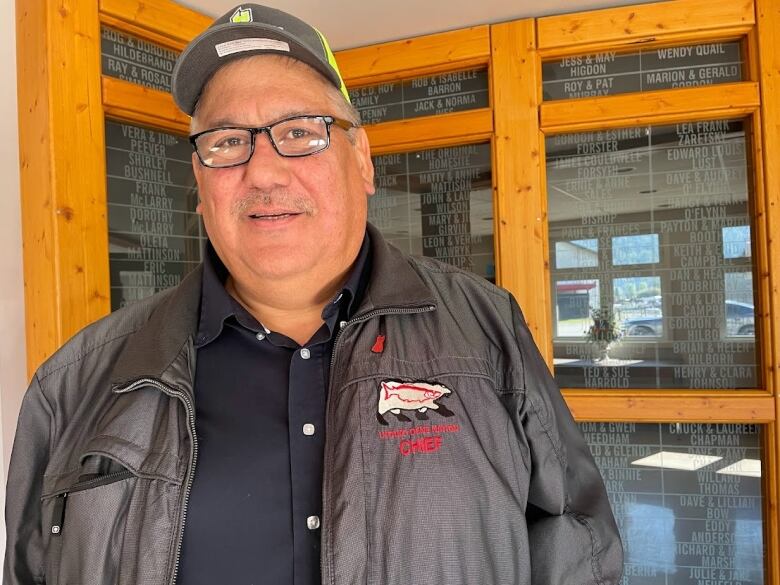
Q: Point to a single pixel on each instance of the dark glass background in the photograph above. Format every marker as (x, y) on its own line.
(136, 60)
(438, 203)
(155, 236)
(684, 527)
(423, 96)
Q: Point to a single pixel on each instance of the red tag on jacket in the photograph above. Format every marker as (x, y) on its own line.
(379, 344)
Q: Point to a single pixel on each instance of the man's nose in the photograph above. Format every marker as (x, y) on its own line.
(267, 168)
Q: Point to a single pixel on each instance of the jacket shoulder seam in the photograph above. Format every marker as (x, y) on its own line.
(87, 351)
(547, 431)
(436, 268)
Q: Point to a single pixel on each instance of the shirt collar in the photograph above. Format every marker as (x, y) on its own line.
(217, 305)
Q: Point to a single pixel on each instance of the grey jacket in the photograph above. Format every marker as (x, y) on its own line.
(450, 457)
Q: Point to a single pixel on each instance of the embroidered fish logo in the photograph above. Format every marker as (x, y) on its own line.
(417, 397)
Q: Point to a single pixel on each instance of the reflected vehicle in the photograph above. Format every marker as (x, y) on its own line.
(740, 322)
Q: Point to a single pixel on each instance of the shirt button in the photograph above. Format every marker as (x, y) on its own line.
(313, 522)
(308, 429)
(260, 336)
(305, 353)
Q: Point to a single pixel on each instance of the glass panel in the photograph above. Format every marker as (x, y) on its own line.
(575, 300)
(422, 96)
(635, 249)
(736, 241)
(155, 236)
(577, 254)
(665, 213)
(438, 203)
(132, 59)
(611, 73)
(687, 500)
(638, 306)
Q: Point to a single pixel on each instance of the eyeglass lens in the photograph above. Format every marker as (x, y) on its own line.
(232, 146)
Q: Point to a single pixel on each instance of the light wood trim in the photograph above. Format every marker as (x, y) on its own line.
(768, 43)
(415, 57)
(431, 132)
(760, 202)
(671, 406)
(63, 175)
(141, 32)
(162, 18)
(729, 100)
(134, 103)
(521, 206)
(683, 20)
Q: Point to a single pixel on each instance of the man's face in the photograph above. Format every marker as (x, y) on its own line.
(277, 217)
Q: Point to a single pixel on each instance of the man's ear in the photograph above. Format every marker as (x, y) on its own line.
(197, 169)
(365, 164)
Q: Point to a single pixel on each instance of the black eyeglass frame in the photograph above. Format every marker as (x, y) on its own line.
(345, 125)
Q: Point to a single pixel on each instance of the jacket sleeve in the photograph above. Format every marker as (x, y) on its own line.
(24, 555)
(572, 532)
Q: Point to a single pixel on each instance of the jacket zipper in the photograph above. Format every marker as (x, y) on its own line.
(58, 515)
(328, 415)
(189, 407)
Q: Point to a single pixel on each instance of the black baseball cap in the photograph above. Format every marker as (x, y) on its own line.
(249, 29)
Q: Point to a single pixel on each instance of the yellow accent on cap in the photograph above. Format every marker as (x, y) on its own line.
(242, 15)
(332, 62)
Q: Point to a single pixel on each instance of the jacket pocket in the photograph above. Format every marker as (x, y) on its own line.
(87, 527)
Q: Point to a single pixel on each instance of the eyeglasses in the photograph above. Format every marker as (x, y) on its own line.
(219, 148)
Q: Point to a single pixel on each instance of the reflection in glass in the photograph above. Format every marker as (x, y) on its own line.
(574, 302)
(740, 312)
(650, 529)
(665, 212)
(638, 306)
(685, 518)
(736, 241)
(577, 254)
(635, 249)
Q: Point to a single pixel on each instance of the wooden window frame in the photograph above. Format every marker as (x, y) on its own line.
(63, 175)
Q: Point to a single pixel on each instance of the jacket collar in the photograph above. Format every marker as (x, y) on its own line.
(151, 351)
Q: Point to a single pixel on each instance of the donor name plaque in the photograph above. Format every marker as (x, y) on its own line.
(611, 73)
(438, 203)
(133, 59)
(423, 96)
(155, 236)
(686, 498)
(651, 262)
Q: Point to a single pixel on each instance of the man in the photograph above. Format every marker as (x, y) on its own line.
(310, 405)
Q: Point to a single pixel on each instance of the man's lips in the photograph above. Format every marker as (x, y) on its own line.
(273, 215)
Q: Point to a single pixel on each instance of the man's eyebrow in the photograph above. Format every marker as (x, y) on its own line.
(231, 123)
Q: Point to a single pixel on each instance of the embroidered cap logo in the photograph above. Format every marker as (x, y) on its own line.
(242, 15)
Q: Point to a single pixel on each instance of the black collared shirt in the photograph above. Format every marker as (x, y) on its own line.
(254, 510)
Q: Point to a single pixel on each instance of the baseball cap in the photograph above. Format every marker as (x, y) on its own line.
(249, 29)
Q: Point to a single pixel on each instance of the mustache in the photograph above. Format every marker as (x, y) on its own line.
(280, 199)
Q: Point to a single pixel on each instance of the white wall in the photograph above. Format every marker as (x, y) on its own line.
(13, 377)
